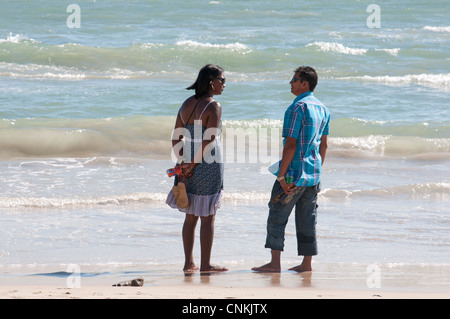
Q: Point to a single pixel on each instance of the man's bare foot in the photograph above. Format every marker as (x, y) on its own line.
(212, 268)
(267, 268)
(190, 268)
(301, 268)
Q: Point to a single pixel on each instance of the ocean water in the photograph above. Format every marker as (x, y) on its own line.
(87, 110)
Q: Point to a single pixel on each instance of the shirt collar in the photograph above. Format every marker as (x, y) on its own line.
(303, 95)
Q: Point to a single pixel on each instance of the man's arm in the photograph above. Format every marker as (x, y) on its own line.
(323, 147)
(288, 154)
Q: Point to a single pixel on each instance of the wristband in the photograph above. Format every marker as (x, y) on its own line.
(280, 178)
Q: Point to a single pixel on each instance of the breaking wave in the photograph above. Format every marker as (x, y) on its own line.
(149, 136)
(431, 191)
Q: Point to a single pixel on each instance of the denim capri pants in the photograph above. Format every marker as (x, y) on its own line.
(305, 202)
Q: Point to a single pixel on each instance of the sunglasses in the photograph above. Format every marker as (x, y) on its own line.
(222, 80)
(294, 79)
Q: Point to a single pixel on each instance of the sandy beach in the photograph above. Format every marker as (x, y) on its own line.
(235, 284)
(200, 291)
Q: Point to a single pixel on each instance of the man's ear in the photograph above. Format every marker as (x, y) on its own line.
(306, 84)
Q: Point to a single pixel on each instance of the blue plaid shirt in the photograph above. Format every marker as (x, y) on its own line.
(306, 120)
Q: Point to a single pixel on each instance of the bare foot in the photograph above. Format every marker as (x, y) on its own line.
(190, 268)
(301, 268)
(267, 268)
(212, 268)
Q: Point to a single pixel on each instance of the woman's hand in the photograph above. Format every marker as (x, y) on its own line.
(187, 169)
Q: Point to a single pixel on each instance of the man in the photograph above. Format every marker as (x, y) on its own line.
(305, 132)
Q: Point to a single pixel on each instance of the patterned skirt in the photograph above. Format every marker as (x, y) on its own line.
(204, 190)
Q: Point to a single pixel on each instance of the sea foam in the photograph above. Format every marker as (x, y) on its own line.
(337, 47)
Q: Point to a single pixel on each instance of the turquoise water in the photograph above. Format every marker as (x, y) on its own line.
(86, 116)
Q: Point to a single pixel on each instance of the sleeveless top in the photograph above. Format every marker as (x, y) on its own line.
(204, 187)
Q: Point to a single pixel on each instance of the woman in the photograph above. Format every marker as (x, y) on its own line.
(199, 123)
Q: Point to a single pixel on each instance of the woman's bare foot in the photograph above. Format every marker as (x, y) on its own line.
(213, 268)
(268, 268)
(190, 267)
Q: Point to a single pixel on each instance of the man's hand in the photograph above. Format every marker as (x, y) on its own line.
(287, 188)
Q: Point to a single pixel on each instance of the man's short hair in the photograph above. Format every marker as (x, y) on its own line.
(308, 74)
